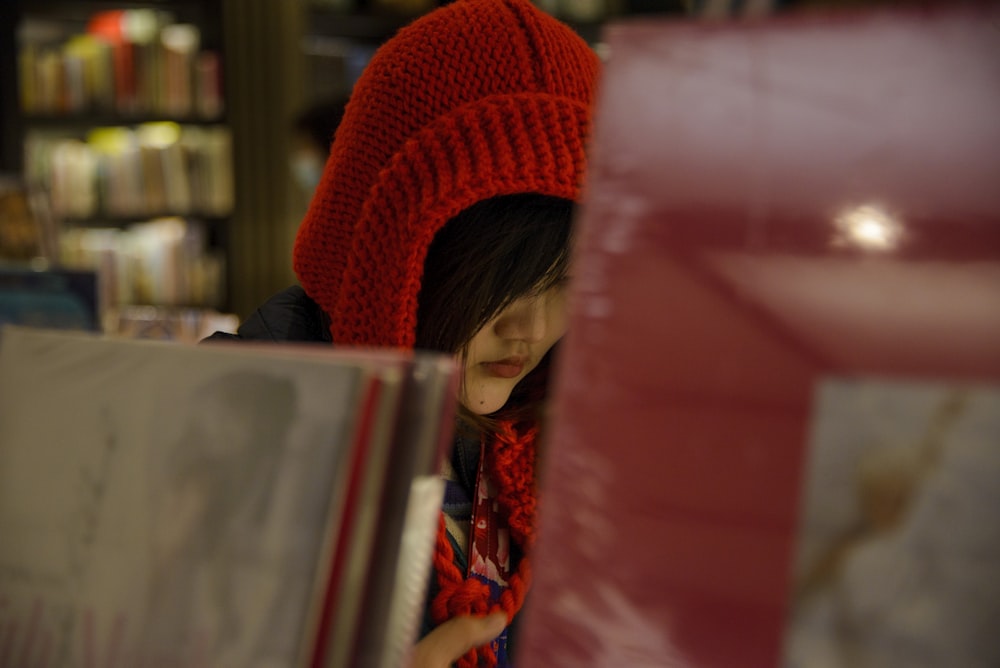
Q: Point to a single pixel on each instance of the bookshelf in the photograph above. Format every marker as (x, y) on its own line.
(276, 59)
(117, 112)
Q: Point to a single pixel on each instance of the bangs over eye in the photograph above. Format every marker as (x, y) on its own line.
(485, 258)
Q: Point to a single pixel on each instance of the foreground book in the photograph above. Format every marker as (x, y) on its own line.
(776, 423)
(219, 505)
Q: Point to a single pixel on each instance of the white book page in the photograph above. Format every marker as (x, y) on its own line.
(162, 505)
(899, 544)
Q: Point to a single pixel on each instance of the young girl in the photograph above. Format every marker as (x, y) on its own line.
(442, 222)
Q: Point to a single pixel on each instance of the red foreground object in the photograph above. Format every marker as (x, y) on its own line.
(772, 206)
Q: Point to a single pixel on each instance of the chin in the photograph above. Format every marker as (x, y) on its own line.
(485, 408)
(486, 402)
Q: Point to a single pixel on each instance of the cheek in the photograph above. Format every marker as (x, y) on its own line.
(470, 390)
(558, 321)
(561, 325)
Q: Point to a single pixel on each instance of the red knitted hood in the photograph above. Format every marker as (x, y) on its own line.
(476, 99)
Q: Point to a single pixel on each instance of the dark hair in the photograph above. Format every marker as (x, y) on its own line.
(482, 260)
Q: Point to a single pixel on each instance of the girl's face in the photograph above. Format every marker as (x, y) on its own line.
(509, 346)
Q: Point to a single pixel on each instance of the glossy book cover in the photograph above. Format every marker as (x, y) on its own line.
(168, 504)
(790, 235)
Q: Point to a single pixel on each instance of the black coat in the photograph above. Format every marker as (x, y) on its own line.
(289, 315)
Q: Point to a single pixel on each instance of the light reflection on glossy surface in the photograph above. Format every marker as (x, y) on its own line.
(769, 207)
(868, 228)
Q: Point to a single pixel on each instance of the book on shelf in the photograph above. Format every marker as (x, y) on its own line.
(166, 504)
(776, 412)
(28, 231)
(208, 99)
(163, 262)
(132, 62)
(150, 169)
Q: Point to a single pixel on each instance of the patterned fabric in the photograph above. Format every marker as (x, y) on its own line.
(489, 549)
(476, 99)
(460, 485)
(466, 481)
(507, 466)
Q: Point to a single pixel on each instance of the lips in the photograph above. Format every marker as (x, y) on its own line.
(510, 367)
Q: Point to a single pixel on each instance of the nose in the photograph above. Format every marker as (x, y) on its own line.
(524, 320)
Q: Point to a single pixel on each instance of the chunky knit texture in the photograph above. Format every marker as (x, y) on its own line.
(476, 99)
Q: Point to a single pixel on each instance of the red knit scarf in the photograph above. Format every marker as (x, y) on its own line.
(511, 464)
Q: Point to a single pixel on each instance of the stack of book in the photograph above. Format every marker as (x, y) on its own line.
(222, 505)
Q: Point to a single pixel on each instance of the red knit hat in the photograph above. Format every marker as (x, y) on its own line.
(476, 99)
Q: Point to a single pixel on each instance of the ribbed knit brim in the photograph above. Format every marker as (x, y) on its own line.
(476, 99)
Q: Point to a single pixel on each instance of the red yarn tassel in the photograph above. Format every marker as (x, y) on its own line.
(511, 462)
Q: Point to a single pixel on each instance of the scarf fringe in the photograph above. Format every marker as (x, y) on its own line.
(511, 463)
